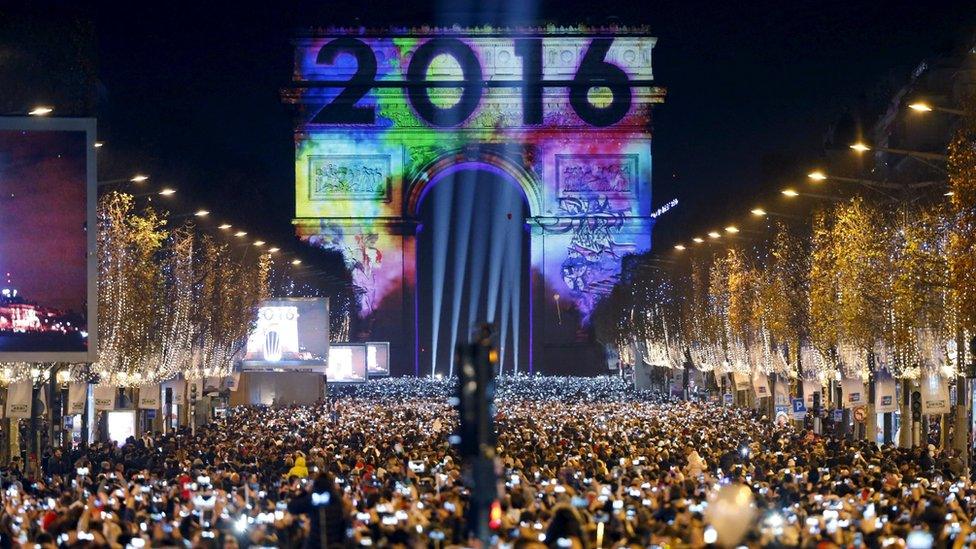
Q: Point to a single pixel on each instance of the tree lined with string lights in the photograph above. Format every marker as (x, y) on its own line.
(229, 287)
(132, 307)
(961, 246)
(170, 302)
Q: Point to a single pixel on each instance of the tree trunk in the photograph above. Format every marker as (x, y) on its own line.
(960, 438)
(907, 425)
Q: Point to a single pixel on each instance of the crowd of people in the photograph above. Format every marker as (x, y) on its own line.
(580, 463)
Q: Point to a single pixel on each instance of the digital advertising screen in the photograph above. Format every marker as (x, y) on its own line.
(347, 363)
(378, 358)
(48, 257)
(289, 333)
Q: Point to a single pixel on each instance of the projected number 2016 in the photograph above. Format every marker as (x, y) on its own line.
(593, 72)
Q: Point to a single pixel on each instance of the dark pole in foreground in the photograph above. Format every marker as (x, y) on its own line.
(475, 438)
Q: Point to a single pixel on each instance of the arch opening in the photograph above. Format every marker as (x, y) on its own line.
(472, 266)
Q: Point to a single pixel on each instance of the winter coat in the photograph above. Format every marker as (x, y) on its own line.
(299, 470)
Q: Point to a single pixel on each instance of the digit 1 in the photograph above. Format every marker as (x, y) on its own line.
(530, 50)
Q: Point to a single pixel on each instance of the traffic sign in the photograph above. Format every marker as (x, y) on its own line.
(860, 414)
(799, 408)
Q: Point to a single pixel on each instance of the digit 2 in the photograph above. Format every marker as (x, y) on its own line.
(343, 109)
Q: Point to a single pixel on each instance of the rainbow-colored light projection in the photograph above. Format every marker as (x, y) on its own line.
(564, 113)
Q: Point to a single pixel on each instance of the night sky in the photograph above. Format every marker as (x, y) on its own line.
(42, 217)
(190, 93)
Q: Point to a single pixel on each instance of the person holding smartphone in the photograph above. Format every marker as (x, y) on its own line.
(328, 517)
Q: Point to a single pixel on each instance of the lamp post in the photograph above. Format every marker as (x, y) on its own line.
(923, 156)
(793, 193)
(33, 456)
(923, 107)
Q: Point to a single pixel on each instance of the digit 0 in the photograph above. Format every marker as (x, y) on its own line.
(472, 85)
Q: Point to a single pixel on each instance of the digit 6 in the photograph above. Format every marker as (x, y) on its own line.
(594, 72)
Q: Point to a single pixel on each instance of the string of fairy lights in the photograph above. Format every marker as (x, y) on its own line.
(703, 314)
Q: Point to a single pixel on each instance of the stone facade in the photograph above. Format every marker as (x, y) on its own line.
(588, 188)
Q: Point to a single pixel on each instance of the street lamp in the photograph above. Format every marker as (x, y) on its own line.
(922, 107)
(296, 261)
(732, 229)
(225, 226)
(760, 212)
(714, 234)
(40, 110)
(259, 243)
(273, 250)
(698, 240)
(138, 178)
(861, 147)
(201, 213)
(240, 234)
(679, 247)
(871, 183)
(165, 192)
(790, 193)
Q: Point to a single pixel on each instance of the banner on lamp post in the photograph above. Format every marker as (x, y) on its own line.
(104, 396)
(77, 398)
(935, 395)
(179, 390)
(852, 389)
(19, 400)
(781, 393)
(149, 397)
(885, 391)
(760, 384)
(810, 387)
(742, 382)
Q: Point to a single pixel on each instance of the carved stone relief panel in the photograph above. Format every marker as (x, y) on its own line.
(349, 177)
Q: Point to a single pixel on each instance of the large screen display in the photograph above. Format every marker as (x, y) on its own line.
(378, 358)
(289, 333)
(347, 363)
(47, 257)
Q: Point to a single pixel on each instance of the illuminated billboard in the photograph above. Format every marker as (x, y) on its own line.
(289, 333)
(378, 358)
(347, 363)
(48, 294)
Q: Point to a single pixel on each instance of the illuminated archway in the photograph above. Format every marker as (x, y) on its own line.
(472, 265)
(370, 139)
(478, 159)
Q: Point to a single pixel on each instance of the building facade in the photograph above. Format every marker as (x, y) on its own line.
(563, 113)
